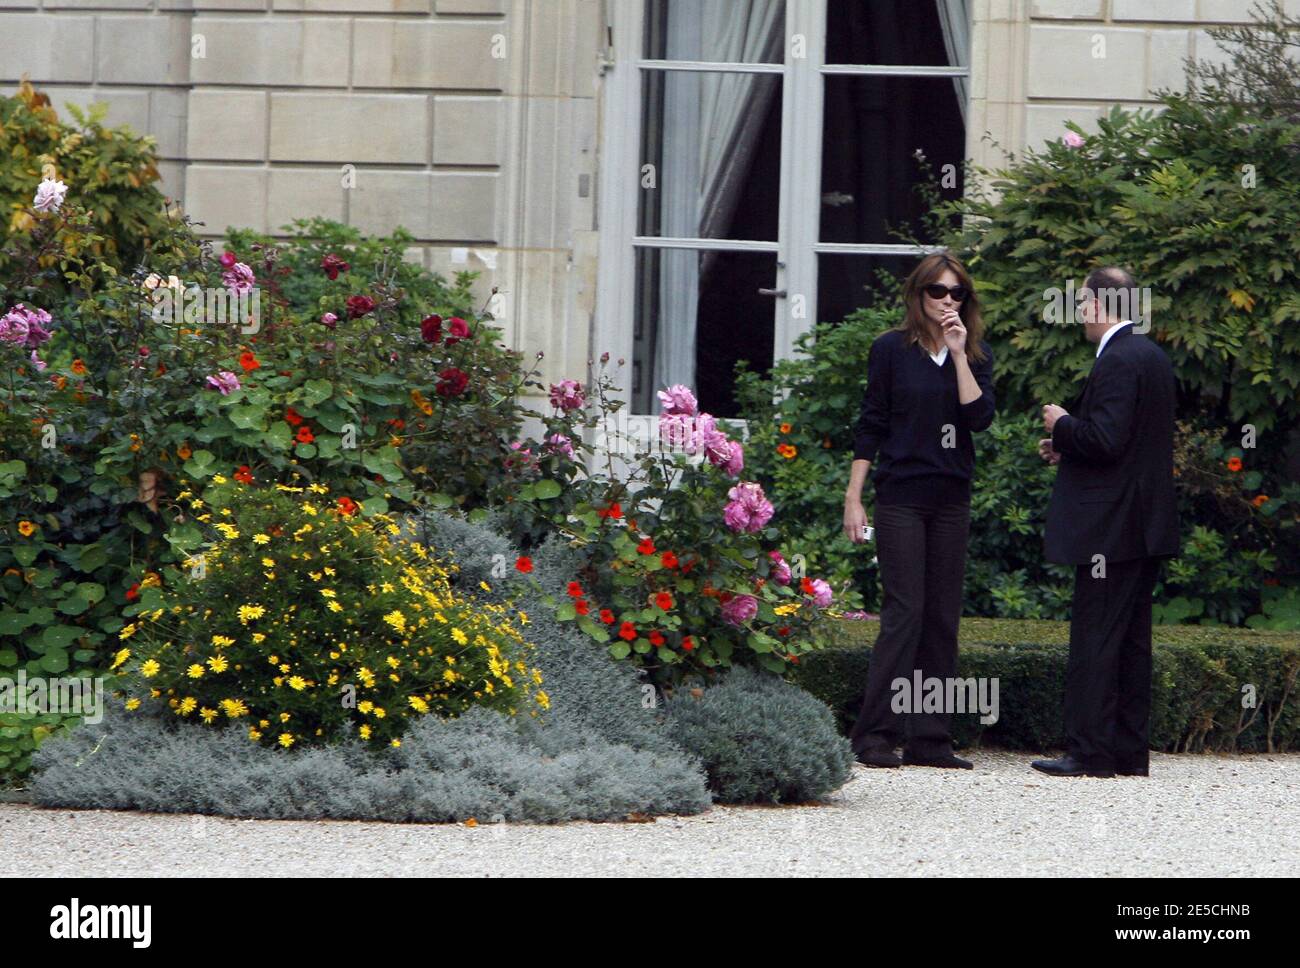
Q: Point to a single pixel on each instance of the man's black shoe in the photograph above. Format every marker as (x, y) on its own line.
(880, 758)
(1067, 766)
(1132, 771)
(949, 762)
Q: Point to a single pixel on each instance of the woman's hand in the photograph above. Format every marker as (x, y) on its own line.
(954, 333)
(855, 519)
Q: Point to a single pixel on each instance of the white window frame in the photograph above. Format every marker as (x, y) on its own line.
(799, 218)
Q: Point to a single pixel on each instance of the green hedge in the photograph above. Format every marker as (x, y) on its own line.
(1197, 679)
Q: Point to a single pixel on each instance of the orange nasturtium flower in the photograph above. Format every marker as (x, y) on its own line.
(1234, 464)
(249, 362)
(785, 428)
(1260, 500)
(78, 367)
(787, 450)
(26, 528)
(183, 452)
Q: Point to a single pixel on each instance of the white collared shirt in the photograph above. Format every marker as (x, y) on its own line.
(1101, 344)
(940, 357)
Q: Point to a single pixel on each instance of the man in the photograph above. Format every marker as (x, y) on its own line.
(1113, 516)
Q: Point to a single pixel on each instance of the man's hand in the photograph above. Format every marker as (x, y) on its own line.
(1051, 414)
(1046, 452)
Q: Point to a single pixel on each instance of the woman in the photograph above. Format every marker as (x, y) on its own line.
(929, 386)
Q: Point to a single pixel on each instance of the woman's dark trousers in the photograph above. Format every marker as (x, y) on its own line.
(922, 556)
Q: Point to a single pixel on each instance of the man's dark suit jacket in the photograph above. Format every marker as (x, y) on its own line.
(1114, 491)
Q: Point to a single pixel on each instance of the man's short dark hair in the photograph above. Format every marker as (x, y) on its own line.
(1116, 289)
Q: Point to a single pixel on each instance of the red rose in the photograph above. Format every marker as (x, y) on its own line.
(359, 306)
(524, 565)
(607, 616)
(431, 328)
(332, 265)
(452, 382)
(627, 631)
(228, 259)
(458, 330)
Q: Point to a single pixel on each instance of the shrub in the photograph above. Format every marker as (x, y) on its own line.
(305, 623)
(114, 171)
(1212, 688)
(761, 739)
(681, 581)
(474, 767)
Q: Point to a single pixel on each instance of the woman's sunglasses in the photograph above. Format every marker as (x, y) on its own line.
(937, 291)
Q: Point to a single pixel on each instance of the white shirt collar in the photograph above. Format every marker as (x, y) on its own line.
(1105, 337)
(941, 356)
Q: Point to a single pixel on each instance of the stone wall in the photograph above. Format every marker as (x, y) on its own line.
(1037, 63)
(472, 123)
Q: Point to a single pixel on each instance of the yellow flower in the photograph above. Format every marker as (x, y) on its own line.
(393, 662)
(397, 620)
(187, 706)
(335, 607)
(328, 593)
(234, 708)
(543, 699)
(365, 705)
(121, 657)
(318, 489)
(286, 740)
(459, 636)
(396, 743)
(218, 479)
(248, 613)
(298, 683)
(229, 530)
(261, 539)
(208, 714)
(149, 668)
(127, 632)
(268, 563)
(310, 508)
(364, 731)
(133, 703)
(253, 734)
(418, 704)
(195, 671)
(218, 663)
(26, 529)
(258, 638)
(220, 641)
(284, 717)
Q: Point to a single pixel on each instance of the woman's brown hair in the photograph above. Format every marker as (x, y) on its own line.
(926, 272)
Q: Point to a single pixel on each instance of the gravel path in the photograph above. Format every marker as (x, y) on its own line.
(1202, 816)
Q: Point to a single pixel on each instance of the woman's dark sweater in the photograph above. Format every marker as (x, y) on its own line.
(909, 412)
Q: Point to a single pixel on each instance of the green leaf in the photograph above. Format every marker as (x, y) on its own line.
(565, 612)
(26, 554)
(58, 637)
(440, 500)
(54, 661)
(305, 451)
(547, 489)
(92, 558)
(620, 650)
(317, 392)
(374, 505)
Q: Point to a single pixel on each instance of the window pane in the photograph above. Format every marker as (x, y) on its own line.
(885, 32)
(849, 282)
(712, 144)
(873, 127)
(720, 31)
(697, 313)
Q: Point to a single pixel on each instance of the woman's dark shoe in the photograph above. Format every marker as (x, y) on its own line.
(1067, 766)
(947, 762)
(880, 758)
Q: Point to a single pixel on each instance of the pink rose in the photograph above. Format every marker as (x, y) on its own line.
(560, 444)
(228, 259)
(748, 510)
(736, 462)
(780, 571)
(740, 609)
(330, 320)
(821, 592)
(359, 306)
(567, 395)
(457, 330)
(49, 195)
(678, 399)
(1072, 140)
(238, 278)
(225, 381)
